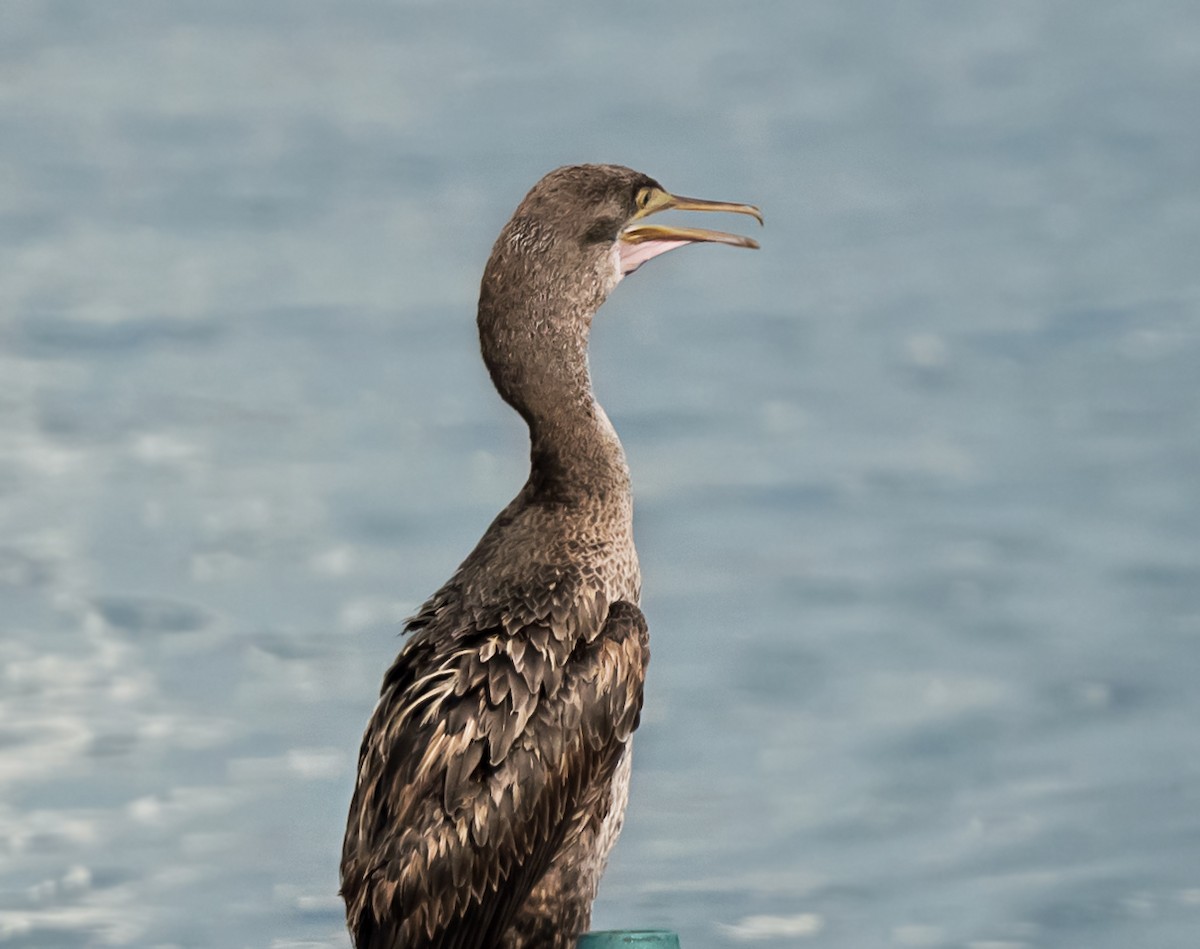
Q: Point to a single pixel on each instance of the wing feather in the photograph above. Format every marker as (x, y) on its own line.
(489, 750)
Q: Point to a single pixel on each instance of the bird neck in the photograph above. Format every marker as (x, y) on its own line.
(575, 455)
(574, 451)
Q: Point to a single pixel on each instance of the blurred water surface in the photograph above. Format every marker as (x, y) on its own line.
(919, 511)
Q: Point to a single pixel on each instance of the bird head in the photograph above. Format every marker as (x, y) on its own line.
(570, 241)
(583, 227)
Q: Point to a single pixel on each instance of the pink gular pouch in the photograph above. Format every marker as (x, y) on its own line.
(633, 256)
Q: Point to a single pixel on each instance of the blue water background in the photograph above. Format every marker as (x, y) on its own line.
(918, 484)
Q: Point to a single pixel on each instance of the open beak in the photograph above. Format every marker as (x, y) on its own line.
(637, 243)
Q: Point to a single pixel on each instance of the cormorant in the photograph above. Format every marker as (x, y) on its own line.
(494, 771)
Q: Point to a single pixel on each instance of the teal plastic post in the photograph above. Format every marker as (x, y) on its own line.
(630, 939)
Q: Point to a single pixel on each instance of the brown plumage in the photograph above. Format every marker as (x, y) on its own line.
(494, 770)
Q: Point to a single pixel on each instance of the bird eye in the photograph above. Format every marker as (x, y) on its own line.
(643, 198)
